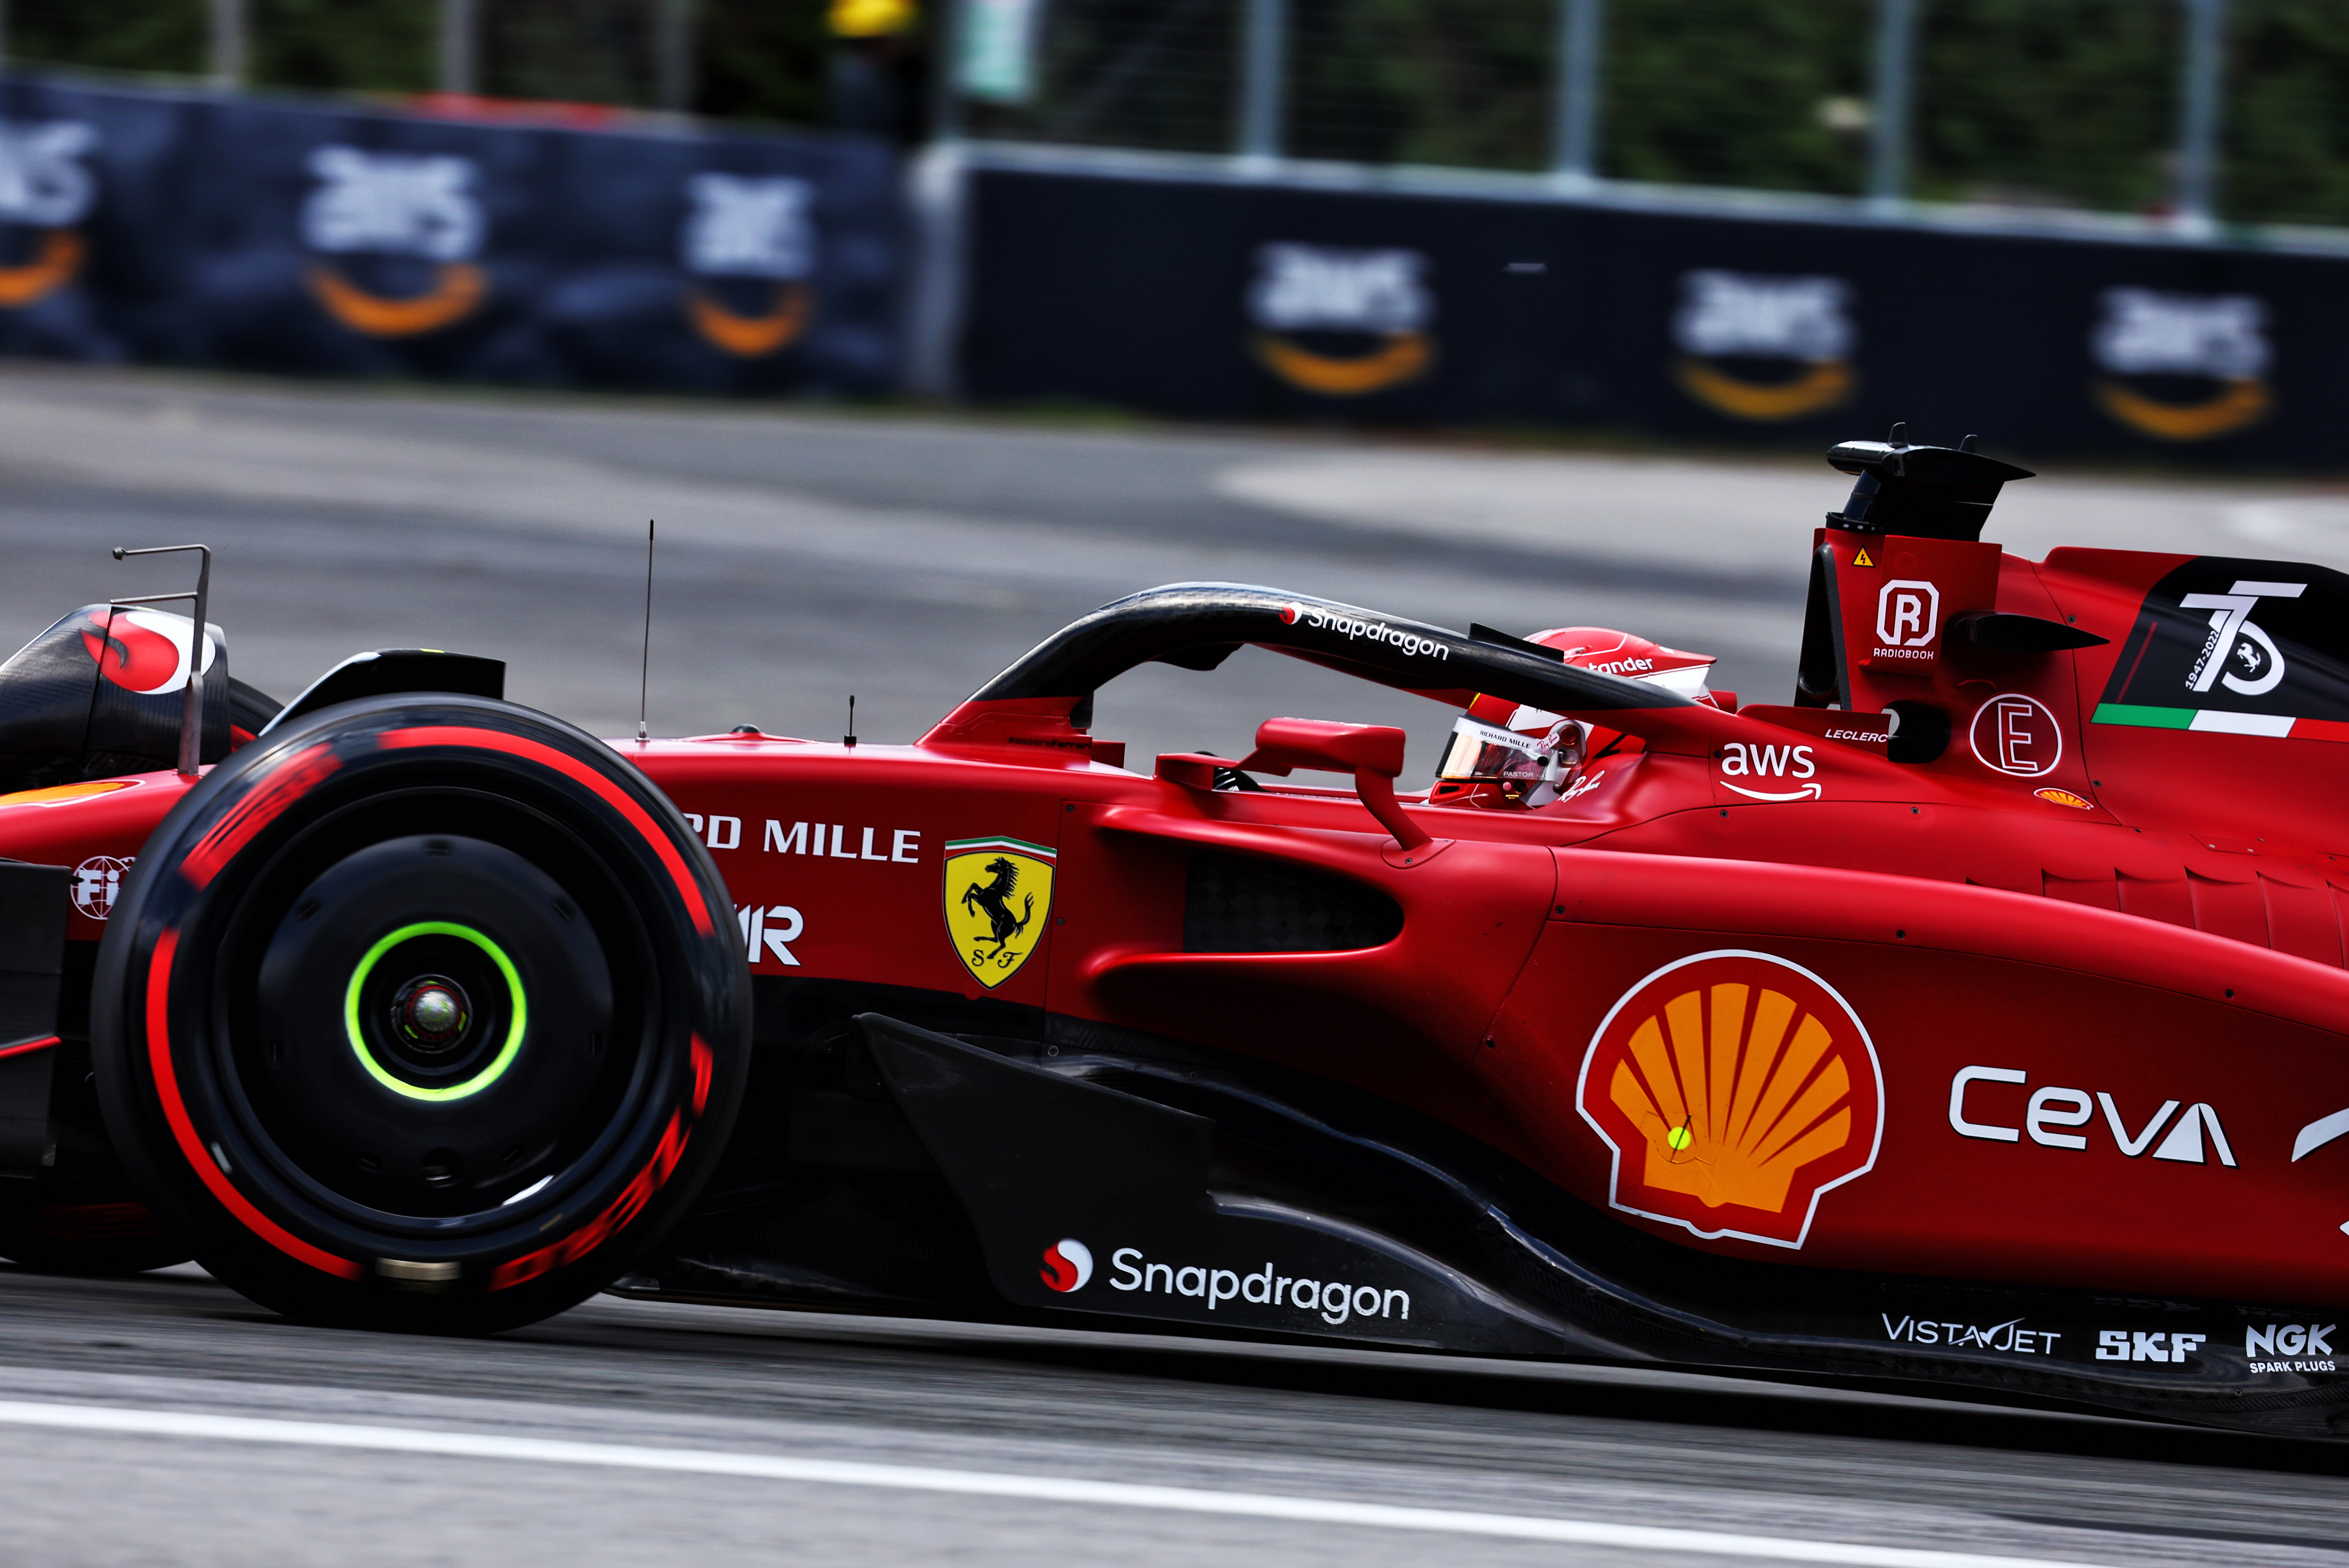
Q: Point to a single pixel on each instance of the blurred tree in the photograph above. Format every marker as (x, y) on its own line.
(763, 59)
(111, 35)
(1736, 92)
(2048, 102)
(2287, 113)
(1462, 82)
(346, 45)
(574, 51)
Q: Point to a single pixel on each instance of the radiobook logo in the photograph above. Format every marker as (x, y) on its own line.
(1908, 616)
(1068, 1265)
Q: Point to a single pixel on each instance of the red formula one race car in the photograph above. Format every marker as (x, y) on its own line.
(1977, 1020)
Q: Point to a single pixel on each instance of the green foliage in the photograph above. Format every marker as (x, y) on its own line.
(2068, 102)
(1464, 82)
(2055, 102)
(576, 51)
(164, 35)
(2287, 115)
(1732, 92)
(763, 59)
(346, 45)
(1130, 73)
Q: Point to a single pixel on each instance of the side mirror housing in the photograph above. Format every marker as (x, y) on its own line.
(1373, 754)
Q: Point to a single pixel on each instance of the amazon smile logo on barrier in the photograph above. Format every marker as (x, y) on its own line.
(1765, 348)
(46, 190)
(1342, 323)
(2182, 366)
(747, 233)
(409, 209)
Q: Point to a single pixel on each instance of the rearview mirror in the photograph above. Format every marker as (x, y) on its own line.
(1373, 754)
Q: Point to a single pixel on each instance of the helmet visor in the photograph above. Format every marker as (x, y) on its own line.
(1534, 768)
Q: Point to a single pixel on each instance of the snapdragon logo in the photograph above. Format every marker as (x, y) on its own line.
(1315, 619)
(1335, 1302)
(1068, 1265)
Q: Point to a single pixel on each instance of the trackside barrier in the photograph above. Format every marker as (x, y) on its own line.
(1166, 287)
(209, 230)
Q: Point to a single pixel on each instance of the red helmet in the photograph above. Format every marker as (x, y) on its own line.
(1509, 756)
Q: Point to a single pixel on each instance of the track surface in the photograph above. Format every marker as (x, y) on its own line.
(806, 556)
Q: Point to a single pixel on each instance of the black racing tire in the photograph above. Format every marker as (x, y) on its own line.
(426, 1013)
(249, 708)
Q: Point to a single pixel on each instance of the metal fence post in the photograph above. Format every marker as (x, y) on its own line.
(1264, 66)
(673, 60)
(1896, 70)
(948, 34)
(459, 62)
(1581, 45)
(230, 40)
(2200, 87)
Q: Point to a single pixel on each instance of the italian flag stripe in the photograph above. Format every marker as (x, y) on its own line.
(1018, 846)
(2211, 720)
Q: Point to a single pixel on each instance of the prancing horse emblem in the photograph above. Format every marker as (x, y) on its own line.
(999, 900)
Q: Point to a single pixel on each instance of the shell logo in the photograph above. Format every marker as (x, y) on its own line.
(1736, 1090)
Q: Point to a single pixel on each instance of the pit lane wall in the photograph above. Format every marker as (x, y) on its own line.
(1155, 285)
(210, 230)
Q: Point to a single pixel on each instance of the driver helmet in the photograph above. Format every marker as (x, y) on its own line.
(1504, 755)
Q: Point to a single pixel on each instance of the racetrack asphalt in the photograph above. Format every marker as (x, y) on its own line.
(445, 1469)
(806, 555)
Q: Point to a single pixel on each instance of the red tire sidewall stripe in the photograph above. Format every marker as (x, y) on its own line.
(572, 768)
(281, 785)
(192, 1147)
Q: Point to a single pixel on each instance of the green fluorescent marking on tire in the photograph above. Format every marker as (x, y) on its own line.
(2146, 718)
(506, 1053)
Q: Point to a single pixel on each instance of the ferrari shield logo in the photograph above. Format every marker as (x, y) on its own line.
(999, 901)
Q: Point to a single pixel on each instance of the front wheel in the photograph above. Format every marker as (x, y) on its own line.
(427, 1014)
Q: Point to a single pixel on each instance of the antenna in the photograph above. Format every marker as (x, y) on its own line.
(192, 701)
(850, 738)
(645, 671)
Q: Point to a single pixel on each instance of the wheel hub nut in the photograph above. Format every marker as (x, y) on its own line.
(430, 1012)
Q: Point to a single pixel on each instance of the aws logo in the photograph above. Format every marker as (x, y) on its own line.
(46, 190)
(1068, 1264)
(1765, 348)
(403, 229)
(2182, 366)
(1736, 1090)
(1342, 323)
(750, 243)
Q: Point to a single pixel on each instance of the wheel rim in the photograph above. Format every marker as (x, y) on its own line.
(422, 991)
(434, 1131)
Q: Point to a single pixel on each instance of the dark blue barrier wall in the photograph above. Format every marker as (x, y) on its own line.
(1237, 301)
(196, 230)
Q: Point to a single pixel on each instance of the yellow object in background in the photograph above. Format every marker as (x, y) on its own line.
(871, 18)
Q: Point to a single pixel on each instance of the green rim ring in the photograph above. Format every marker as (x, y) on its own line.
(479, 1081)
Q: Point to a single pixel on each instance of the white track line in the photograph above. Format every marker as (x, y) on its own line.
(981, 1483)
